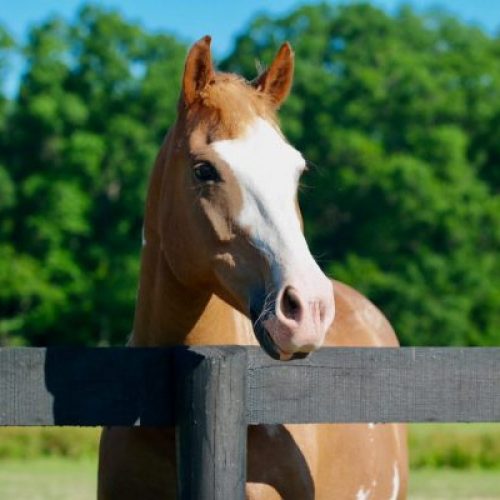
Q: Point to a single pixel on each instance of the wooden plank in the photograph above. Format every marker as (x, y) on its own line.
(376, 385)
(124, 386)
(24, 398)
(211, 423)
(84, 386)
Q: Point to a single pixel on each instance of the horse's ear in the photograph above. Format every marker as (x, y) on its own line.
(276, 81)
(198, 71)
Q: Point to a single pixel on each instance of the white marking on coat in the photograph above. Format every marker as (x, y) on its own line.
(395, 482)
(370, 316)
(395, 430)
(371, 426)
(362, 494)
(268, 169)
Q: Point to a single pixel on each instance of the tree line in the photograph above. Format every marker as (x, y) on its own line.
(399, 116)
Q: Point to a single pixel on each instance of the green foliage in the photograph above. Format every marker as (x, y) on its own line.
(436, 446)
(456, 446)
(35, 442)
(93, 105)
(6, 47)
(401, 115)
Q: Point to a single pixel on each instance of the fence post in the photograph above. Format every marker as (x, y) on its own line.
(211, 428)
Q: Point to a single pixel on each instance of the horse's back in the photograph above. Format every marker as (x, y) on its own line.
(358, 322)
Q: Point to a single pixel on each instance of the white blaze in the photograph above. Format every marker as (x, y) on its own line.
(268, 169)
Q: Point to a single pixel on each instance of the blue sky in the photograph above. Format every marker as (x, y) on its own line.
(223, 19)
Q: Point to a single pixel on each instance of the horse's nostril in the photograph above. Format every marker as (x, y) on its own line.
(290, 304)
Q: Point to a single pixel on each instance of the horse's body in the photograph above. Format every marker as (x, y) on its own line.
(200, 288)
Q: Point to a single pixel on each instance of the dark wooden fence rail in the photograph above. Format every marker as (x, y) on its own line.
(212, 393)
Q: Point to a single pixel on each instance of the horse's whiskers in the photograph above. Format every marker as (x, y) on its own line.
(266, 308)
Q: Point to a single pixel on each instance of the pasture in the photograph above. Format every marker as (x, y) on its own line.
(55, 478)
(405, 185)
(449, 461)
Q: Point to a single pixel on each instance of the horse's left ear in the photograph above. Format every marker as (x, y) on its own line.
(276, 81)
(198, 71)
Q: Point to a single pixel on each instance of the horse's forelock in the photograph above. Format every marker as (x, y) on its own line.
(227, 105)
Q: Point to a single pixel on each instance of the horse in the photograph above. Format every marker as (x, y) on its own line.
(225, 261)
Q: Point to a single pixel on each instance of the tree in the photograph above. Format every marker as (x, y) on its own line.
(398, 115)
(93, 105)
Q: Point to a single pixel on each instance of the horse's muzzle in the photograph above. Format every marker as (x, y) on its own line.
(288, 326)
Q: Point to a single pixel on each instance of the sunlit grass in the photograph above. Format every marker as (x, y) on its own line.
(48, 478)
(449, 461)
(452, 484)
(67, 479)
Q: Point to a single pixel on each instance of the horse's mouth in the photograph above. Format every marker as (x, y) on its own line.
(270, 347)
(266, 341)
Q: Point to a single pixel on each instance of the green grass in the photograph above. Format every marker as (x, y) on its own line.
(48, 478)
(452, 484)
(449, 461)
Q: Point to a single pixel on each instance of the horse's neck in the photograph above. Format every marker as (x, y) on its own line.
(167, 313)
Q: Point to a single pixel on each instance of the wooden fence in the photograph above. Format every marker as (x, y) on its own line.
(211, 394)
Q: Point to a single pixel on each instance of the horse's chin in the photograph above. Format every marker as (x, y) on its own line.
(271, 348)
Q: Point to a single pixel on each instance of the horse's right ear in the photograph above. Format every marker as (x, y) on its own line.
(198, 71)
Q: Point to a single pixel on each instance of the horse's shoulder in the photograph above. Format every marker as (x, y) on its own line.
(358, 322)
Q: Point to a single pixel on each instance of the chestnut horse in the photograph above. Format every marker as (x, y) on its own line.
(224, 261)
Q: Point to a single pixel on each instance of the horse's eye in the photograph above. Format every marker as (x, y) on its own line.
(206, 172)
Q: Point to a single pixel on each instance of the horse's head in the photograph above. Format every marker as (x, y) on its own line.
(232, 190)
